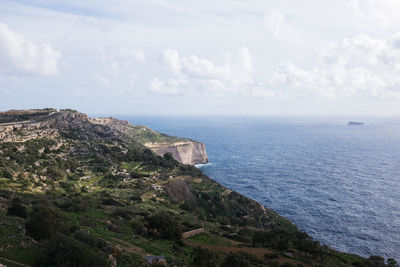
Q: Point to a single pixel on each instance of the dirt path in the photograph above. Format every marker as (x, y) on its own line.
(129, 247)
(259, 252)
(14, 262)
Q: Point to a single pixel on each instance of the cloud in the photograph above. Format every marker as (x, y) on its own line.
(121, 60)
(118, 70)
(360, 66)
(20, 56)
(357, 66)
(195, 74)
(275, 22)
(200, 74)
(170, 87)
(383, 13)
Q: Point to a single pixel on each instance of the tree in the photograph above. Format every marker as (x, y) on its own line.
(392, 262)
(62, 250)
(45, 222)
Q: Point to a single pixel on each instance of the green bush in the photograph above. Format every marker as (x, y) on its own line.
(45, 222)
(202, 257)
(164, 225)
(391, 262)
(74, 205)
(56, 172)
(7, 173)
(123, 213)
(17, 209)
(86, 238)
(62, 250)
(235, 260)
(271, 256)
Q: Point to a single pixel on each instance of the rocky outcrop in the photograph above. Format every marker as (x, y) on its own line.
(21, 126)
(24, 131)
(186, 152)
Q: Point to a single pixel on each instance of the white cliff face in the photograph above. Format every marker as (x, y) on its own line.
(186, 152)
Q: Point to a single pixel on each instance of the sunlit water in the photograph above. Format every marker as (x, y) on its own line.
(340, 184)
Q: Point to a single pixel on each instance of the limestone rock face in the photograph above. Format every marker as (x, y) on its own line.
(186, 152)
(21, 126)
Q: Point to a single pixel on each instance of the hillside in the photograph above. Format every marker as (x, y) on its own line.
(80, 191)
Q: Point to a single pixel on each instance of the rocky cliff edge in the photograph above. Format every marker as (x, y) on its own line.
(23, 125)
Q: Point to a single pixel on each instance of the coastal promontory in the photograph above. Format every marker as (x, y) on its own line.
(81, 191)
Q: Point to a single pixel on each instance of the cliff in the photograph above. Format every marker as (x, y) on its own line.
(186, 152)
(21, 126)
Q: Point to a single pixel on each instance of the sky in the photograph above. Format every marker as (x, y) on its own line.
(220, 57)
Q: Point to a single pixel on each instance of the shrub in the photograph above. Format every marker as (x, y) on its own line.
(392, 262)
(45, 222)
(62, 250)
(85, 238)
(188, 206)
(69, 187)
(7, 173)
(138, 228)
(73, 205)
(165, 225)
(56, 172)
(17, 209)
(100, 243)
(123, 213)
(203, 257)
(111, 202)
(271, 256)
(234, 260)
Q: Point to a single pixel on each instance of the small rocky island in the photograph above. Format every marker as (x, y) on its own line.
(81, 191)
(355, 123)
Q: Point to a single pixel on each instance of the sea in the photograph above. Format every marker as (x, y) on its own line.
(338, 183)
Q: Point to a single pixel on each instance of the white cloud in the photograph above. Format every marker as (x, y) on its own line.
(118, 70)
(358, 66)
(171, 57)
(170, 87)
(355, 66)
(21, 56)
(122, 60)
(202, 74)
(101, 79)
(280, 58)
(275, 22)
(380, 12)
(76, 92)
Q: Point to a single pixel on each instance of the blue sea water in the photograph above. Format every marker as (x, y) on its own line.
(338, 183)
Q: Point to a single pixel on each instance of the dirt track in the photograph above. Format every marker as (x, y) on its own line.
(259, 252)
(14, 262)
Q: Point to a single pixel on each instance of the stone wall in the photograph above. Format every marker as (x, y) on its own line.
(192, 233)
